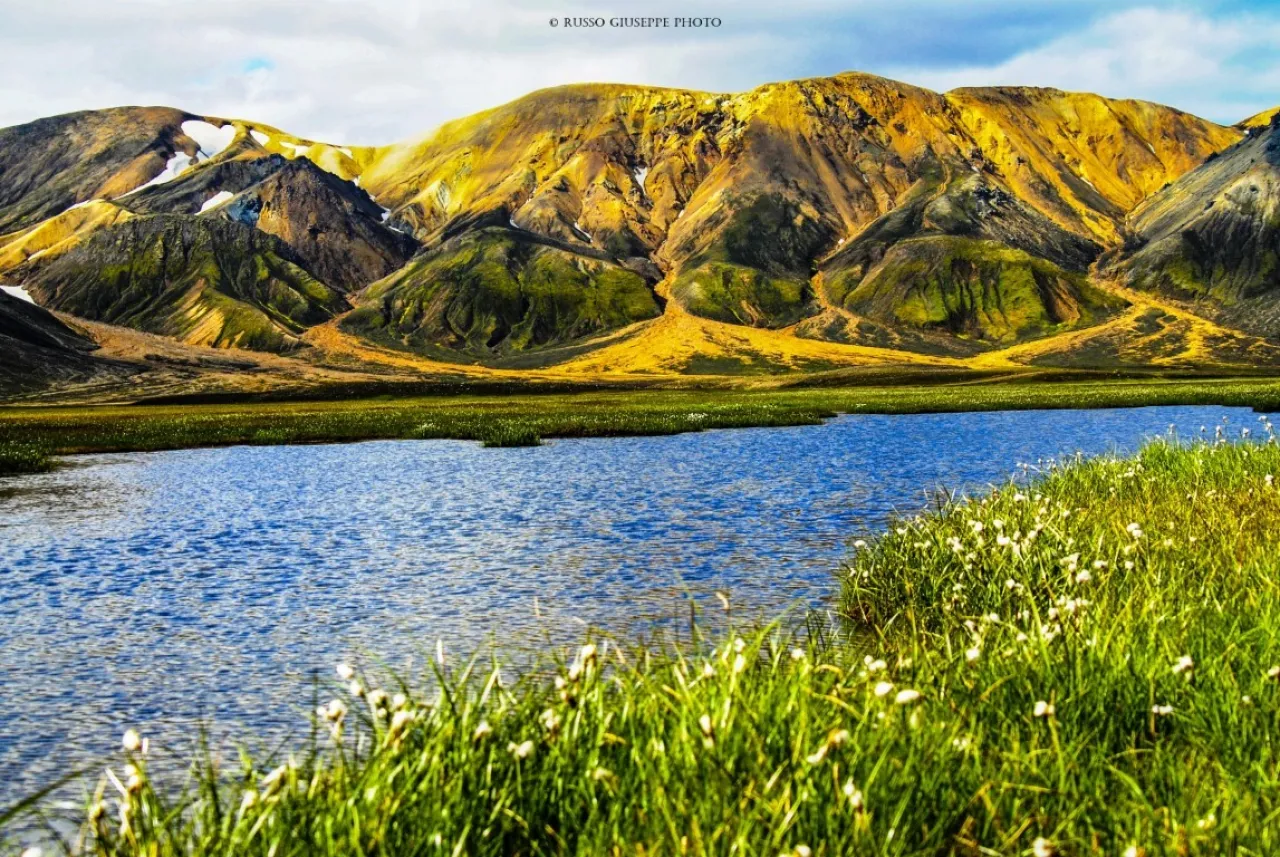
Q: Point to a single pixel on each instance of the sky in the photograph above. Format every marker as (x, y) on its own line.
(377, 71)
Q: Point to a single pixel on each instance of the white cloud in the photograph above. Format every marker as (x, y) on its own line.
(1224, 69)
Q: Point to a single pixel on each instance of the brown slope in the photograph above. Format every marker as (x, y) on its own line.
(332, 226)
(1212, 239)
(49, 165)
(37, 349)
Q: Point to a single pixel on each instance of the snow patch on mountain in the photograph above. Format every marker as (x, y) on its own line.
(211, 139)
(581, 232)
(216, 200)
(641, 173)
(83, 204)
(298, 150)
(17, 292)
(173, 168)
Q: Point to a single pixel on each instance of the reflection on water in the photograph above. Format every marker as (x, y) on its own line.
(163, 589)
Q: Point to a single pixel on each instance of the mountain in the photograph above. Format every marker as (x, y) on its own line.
(741, 200)
(36, 348)
(202, 280)
(1212, 240)
(600, 229)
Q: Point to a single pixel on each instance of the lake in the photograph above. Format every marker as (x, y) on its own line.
(165, 590)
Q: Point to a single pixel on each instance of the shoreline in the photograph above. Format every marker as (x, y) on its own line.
(500, 421)
(1025, 669)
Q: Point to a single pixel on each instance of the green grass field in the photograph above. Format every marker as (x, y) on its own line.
(1086, 664)
(527, 419)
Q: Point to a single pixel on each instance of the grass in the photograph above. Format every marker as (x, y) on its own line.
(524, 420)
(18, 456)
(1084, 664)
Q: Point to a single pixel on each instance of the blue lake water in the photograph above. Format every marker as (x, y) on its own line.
(164, 590)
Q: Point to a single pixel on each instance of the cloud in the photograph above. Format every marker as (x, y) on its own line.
(374, 71)
(1223, 69)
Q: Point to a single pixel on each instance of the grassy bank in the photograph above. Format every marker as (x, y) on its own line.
(19, 456)
(524, 420)
(1084, 665)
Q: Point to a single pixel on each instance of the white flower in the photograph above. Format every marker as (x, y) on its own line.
(1274, 672)
(1162, 710)
(132, 741)
(859, 544)
(377, 698)
(739, 644)
(1184, 664)
(883, 688)
(521, 751)
(248, 799)
(483, 730)
(874, 666)
(334, 711)
(708, 670)
(1083, 576)
(401, 721)
(399, 701)
(1043, 848)
(33, 851)
(1131, 851)
(973, 654)
(976, 525)
(346, 672)
(356, 689)
(854, 794)
(739, 663)
(906, 697)
(1044, 709)
(704, 723)
(550, 720)
(1208, 822)
(803, 851)
(272, 780)
(797, 654)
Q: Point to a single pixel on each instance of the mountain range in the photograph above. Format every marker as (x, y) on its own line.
(596, 232)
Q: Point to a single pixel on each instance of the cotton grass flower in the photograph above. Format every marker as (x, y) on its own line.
(1044, 709)
(483, 730)
(1162, 710)
(1043, 848)
(1184, 666)
(1274, 672)
(131, 741)
(882, 688)
(522, 750)
(346, 672)
(906, 697)
(854, 795)
(972, 655)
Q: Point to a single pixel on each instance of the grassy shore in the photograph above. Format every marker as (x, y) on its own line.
(526, 419)
(21, 456)
(1085, 664)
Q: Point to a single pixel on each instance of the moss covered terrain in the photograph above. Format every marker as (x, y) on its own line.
(499, 291)
(203, 281)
